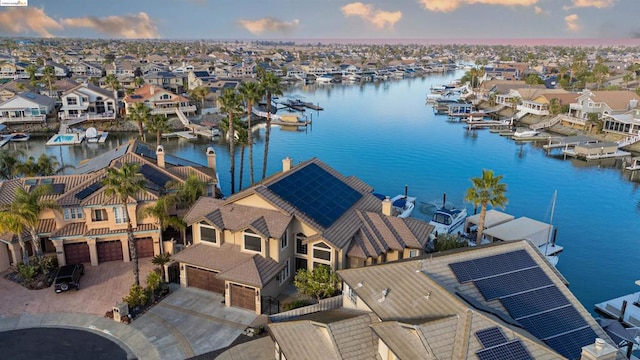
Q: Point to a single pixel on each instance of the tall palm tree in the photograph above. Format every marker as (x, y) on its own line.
(45, 165)
(158, 124)
(160, 212)
(49, 75)
(26, 208)
(10, 222)
(243, 141)
(199, 94)
(114, 84)
(270, 85)
(125, 182)
(231, 104)
(139, 113)
(486, 190)
(251, 94)
(31, 70)
(161, 260)
(191, 190)
(9, 159)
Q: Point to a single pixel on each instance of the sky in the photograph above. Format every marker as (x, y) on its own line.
(322, 19)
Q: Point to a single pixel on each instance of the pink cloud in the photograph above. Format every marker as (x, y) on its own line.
(268, 24)
(130, 26)
(367, 12)
(24, 20)
(451, 5)
(599, 4)
(572, 22)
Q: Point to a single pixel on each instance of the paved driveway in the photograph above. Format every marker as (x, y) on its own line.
(101, 287)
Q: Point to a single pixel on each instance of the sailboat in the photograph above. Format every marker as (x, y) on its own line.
(550, 249)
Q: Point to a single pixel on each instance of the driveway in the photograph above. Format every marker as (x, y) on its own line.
(101, 287)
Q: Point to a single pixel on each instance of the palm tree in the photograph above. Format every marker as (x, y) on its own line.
(26, 208)
(270, 85)
(486, 190)
(251, 94)
(125, 182)
(160, 212)
(139, 113)
(49, 75)
(10, 222)
(243, 142)
(199, 94)
(114, 84)
(627, 78)
(191, 190)
(8, 161)
(31, 71)
(161, 260)
(555, 107)
(158, 124)
(232, 105)
(138, 82)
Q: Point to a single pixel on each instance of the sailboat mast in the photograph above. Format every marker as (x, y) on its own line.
(553, 208)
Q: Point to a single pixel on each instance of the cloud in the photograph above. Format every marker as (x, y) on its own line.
(451, 5)
(590, 3)
(538, 10)
(128, 26)
(268, 24)
(572, 22)
(368, 13)
(20, 20)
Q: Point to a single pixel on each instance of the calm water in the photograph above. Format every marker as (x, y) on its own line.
(385, 135)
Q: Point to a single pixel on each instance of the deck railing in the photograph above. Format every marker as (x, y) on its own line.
(324, 304)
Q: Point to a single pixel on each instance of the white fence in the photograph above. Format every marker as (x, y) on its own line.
(324, 304)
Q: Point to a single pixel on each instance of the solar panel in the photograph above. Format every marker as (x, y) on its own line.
(512, 283)
(509, 351)
(570, 345)
(89, 190)
(317, 193)
(491, 337)
(154, 175)
(553, 322)
(534, 301)
(58, 189)
(46, 181)
(31, 182)
(492, 265)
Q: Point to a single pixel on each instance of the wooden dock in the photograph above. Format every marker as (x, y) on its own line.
(569, 141)
(4, 139)
(587, 157)
(481, 124)
(291, 123)
(313, 107)
(183, 134)
(539, 137)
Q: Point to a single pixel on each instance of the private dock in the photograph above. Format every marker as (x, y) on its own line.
(183, 134)
(625, 308)
(4, 139)
(569, 141)
(313, 107)
(480, 124)
(635, 164)
(539, 137)
(594, 156)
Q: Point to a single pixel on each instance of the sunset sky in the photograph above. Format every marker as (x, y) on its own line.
(322, 19)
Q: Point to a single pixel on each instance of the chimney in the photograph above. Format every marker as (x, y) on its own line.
(599, 350)
(286, 164)
(633, 103)
(386, 206)
(211, 158)
(152, 89)
(160, 156)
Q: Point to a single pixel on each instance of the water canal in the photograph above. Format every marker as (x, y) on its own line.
(384, 134)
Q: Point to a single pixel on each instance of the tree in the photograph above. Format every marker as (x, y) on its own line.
(31, 71)
(126, 182)
(46, 165)
(533, 79)
(160, 261)
(114, 84)
(26, 208)
(231, 104)
(600, 72)
(270, 85)
(10, 222)
(139, 113)
(191, 190)
(486, 190)
(319, 283)
(49, 75)
(627, 78)
(138, 81)
(251, 94)
(158, 124)
(160, 212)
(449, 241)
(9, 159)
(555, 107)
(595, 122)
(243, 142)
(200, 93)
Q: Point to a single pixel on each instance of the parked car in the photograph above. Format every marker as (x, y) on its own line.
(68, 277)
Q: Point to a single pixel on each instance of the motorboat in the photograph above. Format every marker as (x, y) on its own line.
(403, 205)
(20, 136)
(448, 221)
(525, 133)
(325, 79)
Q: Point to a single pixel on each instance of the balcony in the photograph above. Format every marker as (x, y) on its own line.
(575, 106)
(75, 119)
(22, 119)
(172, 109)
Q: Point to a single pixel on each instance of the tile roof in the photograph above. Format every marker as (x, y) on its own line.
(70, 230)
(46, 226)
(144, 93)
(257, 271)
(615, 99)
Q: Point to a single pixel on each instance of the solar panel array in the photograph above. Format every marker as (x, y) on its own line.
(317, 193)
(491, 337)
(88, 190)
(531, 298)
(509, 351)
(154, 175)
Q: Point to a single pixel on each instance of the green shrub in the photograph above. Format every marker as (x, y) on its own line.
(138, 296)
(295, 304)
(49, 263)
(153, 283)
(27, 272)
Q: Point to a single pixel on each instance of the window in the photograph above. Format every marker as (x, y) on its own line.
(165, 97)
(353, 297)
(208, 234)
(414, 253)
(300, 247)
(252, 242)
(99, 215)
(72, 213)
(322, 251)
(72, 101)
(284, 240)
(118, 213)
(286, 272)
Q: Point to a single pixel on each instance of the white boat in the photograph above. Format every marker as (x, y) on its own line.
(20, 136)
(525, 133)
(403, 205)
(325, 79)
(448, 221)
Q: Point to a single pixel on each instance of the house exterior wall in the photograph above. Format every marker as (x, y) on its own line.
(256, 202)
(4, 257)
(351, 301)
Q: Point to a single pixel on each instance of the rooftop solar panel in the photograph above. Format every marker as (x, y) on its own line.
(57, 189)
(509, 351)
(492, 265)
(570, 345)
(491, 337)
(88, 190)
(534, 302)
(154, 175)
(512, 283)
(553, 322)
(317, 193)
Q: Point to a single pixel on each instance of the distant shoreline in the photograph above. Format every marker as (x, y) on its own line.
(463, 41)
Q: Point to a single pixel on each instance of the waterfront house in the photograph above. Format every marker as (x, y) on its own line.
(8, 70)
(13, 88)
(627, 123)
(249, 246)
(174, 82)
(87, 102)
(159, 100)
(90, 227)
(602, 103)
(197, 78)
(26, 107)
(491, 302)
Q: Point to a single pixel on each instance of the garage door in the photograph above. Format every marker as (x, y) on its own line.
(76, 253)
(144, 247)
(204, 279)
(243, 297)
(109, 251)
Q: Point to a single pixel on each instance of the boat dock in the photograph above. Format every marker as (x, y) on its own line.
(635, 164)
(539, 137)
(313, 107)
(481, 124)
(624, 308)
(4, 139)
(569, 141)
(183, 134)
(598, 156)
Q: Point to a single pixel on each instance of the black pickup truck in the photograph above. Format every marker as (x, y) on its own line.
(68, 277)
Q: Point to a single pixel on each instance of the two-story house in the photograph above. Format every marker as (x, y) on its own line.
(88, 102)
(171, 81)
(13, 88)
(159, 100)
(601, 103)
(26, 107)
(250, 245)
(90, 226)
